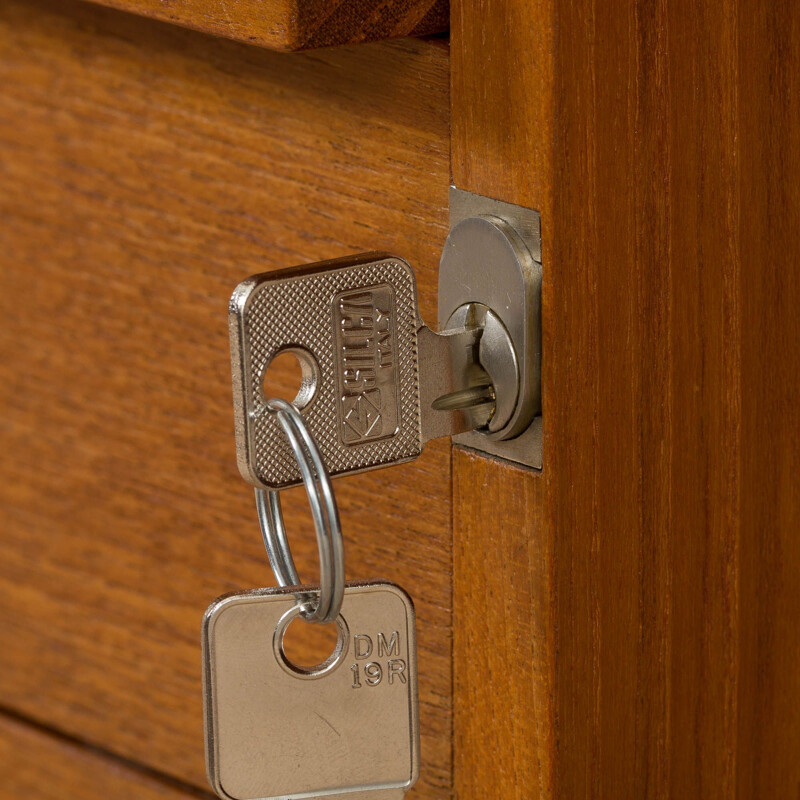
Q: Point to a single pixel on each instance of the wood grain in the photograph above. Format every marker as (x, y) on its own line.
(146, 170)
(504, 636)
(768, 114)
(502, 98)
(39, 766)
(669, 503)
(291, 25)
(504, 712)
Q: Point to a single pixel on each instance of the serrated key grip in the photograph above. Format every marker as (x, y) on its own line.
(358, 319)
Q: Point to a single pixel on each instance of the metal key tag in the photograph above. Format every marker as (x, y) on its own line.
(377, 383)
(276, 731)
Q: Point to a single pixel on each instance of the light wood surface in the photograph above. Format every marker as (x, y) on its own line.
(146, 170)
(298, 24)
(659, 143)
(37, 765)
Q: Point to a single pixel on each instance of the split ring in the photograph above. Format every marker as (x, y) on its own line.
(324, 511)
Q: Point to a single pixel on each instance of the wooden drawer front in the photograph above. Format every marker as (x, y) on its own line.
(145, 171)
(39, 766)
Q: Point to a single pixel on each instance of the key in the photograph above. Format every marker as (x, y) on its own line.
(377, 383)
(347, 728)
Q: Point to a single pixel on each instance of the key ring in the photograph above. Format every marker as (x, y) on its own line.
(324, 511)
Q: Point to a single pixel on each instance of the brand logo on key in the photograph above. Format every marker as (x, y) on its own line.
(366, 346)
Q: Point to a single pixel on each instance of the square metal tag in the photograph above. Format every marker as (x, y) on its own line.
(273, 732)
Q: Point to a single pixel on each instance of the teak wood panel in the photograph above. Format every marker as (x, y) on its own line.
(503, 581)
(146, 170)
(298, 24)
(37, 765)
(651, 647)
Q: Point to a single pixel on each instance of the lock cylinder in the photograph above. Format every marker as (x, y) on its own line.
(490, 277)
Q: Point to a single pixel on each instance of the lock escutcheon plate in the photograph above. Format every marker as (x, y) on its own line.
(492, 258)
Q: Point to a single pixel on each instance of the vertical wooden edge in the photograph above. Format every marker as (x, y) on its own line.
(768, 696)
(502, 83)
(503, 632)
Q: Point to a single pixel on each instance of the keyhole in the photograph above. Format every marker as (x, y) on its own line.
(292, 375)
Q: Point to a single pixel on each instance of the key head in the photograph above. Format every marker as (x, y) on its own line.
(352, 323)
(274, 733)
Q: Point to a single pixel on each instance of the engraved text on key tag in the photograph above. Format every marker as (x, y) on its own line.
(373, 373)
(274, 732)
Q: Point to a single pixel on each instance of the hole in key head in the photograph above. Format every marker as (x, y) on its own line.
(307, 645)
(291, 375)
(306, 650)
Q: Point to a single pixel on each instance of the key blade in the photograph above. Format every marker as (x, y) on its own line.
(456, 394)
